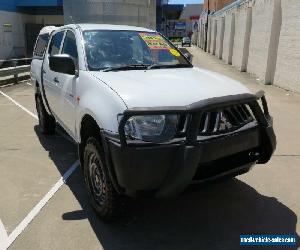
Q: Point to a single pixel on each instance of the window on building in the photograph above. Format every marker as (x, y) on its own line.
(55, 43)
(70, 47)
(41, 45)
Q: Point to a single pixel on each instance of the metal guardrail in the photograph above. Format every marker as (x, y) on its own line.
(16, 60)
(12, 68)
(14, 71)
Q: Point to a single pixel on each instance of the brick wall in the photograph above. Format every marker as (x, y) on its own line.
(215, 5)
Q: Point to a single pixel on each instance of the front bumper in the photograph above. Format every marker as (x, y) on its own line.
(166, 169)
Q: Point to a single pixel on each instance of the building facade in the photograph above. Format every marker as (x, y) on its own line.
(172, 26)
(161, 14)
(215, 5)
(130, 12)
(21, 20)
(191, 14)
(260, 37)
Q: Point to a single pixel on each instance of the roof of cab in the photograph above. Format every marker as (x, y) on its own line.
(107, 27)
(48, 29)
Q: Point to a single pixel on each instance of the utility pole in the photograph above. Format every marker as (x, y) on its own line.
(206, 26)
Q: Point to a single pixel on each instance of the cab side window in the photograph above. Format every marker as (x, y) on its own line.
(70, 47)
(55, 43)
(41, 45)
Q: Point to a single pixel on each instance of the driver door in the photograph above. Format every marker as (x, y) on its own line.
(50, 78)
(67, 83)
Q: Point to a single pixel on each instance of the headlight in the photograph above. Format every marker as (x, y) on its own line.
(152, 128)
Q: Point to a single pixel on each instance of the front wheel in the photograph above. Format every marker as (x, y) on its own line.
(46, 121)
(104, 197)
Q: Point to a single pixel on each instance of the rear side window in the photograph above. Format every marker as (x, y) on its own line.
(41, 45)
(55, 43)
(70, 47)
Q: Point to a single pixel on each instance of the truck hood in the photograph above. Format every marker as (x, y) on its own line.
(169, 87)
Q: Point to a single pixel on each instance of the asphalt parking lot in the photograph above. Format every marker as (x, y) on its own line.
(264, 201)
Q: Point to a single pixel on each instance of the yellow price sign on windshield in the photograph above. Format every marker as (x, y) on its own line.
(174, 52)
(155, 41)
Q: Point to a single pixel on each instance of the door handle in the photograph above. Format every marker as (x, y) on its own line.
(56, 80)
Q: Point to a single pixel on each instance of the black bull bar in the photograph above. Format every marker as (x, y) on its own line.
(262, 115)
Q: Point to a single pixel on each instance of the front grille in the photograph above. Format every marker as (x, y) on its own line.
(225, 120)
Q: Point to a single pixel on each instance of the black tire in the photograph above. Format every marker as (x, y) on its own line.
(46, 121)
(104, 198)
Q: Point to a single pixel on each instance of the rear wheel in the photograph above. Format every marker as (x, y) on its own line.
(46, 121)
(104, 197)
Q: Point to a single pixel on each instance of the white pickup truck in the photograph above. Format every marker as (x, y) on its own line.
(146, 120)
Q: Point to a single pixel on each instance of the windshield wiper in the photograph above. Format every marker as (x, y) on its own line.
(146, 66)
(162, 66)
(127, 67)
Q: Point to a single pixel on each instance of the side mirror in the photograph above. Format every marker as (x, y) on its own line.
(62, 64)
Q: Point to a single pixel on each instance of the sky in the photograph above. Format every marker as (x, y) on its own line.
(184, 1)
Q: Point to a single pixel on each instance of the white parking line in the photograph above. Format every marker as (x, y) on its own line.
(6, 241)
(20, 106)
(34, 116)
(34, 212)
(12, 84)
(3, 236)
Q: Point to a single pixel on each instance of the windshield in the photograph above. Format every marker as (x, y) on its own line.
(106, 49)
